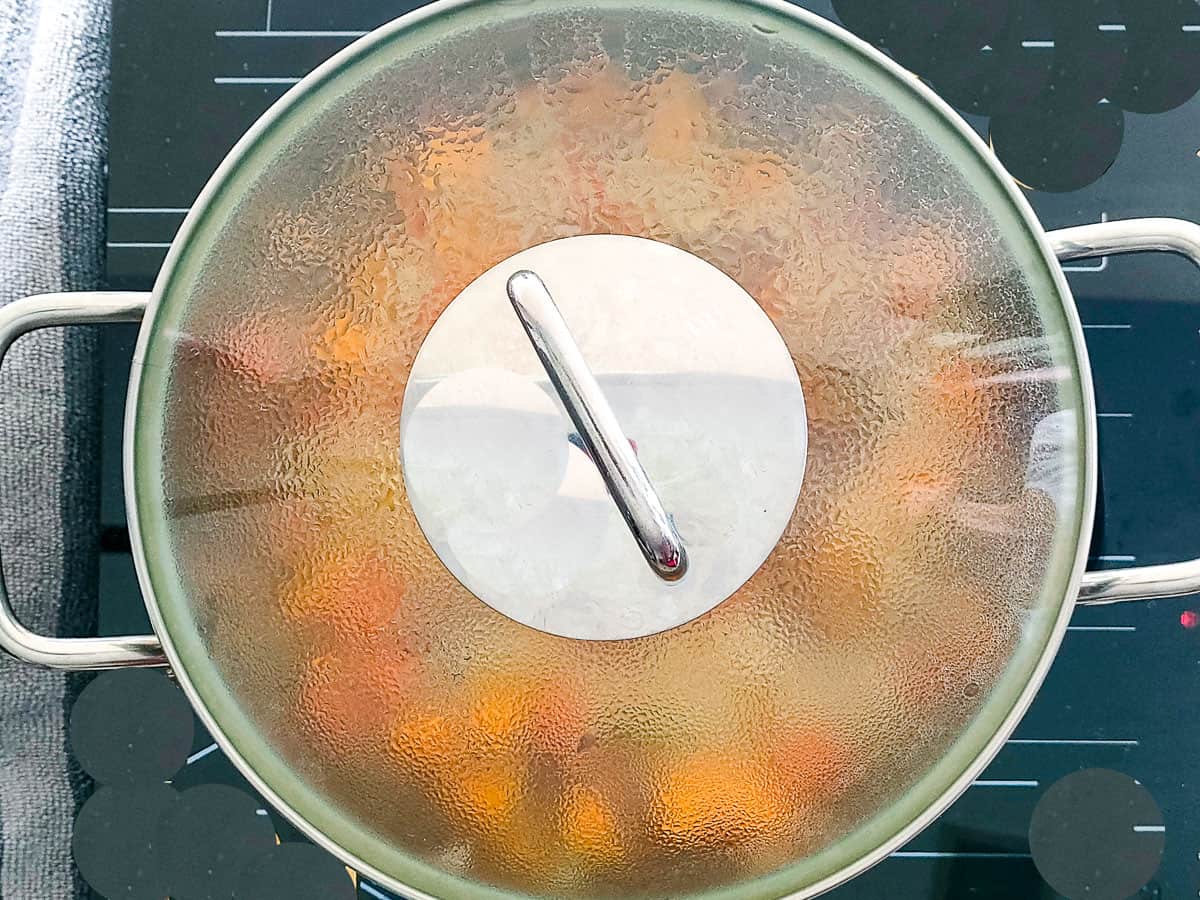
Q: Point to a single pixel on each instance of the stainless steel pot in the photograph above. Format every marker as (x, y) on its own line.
(747, 46)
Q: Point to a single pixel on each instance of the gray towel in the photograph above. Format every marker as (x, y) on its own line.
(53, 115)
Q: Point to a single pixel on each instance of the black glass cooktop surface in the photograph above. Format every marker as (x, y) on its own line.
(1090, 105)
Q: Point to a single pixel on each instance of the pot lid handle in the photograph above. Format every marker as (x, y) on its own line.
(593, 416)
(1133, 236)
(16, 319)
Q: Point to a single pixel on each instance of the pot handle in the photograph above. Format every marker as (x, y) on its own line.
(16, 319)
(1104, 239)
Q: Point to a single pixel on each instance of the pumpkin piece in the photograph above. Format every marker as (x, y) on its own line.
(924, 269)
(679, 120)
(589, 826)
(530, 715)
(354, 593)
(425, 741)
(713, 799)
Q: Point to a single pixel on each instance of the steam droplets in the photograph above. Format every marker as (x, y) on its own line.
(1056, 77)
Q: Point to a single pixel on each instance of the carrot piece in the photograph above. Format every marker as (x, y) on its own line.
(348, 694)
(925, 269)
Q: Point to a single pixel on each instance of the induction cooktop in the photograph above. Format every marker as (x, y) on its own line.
(1091, 106)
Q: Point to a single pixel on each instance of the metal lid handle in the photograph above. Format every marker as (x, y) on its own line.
(585, 403)
(44, 311)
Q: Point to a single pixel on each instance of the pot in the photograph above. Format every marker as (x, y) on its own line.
(571, 459)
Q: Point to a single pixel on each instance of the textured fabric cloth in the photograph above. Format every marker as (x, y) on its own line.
(53, 115)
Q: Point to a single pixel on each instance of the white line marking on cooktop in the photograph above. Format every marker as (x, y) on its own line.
(374, 892)
(255, 79)
(270, 3)
(1101, 628)
(1191, 27)
(1146, 829)
(289, 34)
(1115, 557)
(1037, 44)
(1121, 327)
(952, 854)
(200, 754)
(138, 244)
(988, 782)
(1115, 415)
(1110, 27)
(136, 210)
(1071, 742)
(260, 812)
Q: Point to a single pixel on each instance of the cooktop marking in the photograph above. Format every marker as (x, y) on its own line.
(255, 79)
(985, 782)
(147, 261)
(289, 34)
(1075, 741)
(956, 854)
(200, 754)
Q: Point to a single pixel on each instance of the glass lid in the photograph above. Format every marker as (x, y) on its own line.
(378, 528)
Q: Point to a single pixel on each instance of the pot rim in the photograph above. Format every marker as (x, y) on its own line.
(1084, 510)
